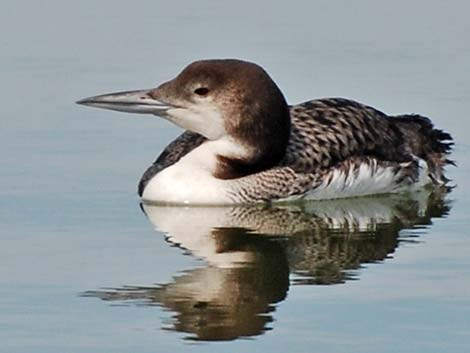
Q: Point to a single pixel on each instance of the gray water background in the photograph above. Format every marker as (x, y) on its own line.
(69, 214)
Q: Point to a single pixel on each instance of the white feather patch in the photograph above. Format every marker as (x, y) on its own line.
(369, 179)
(191, 179)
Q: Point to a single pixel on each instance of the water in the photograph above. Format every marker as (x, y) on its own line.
(84, 270)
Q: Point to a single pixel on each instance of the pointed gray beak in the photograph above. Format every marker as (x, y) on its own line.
(130, 102)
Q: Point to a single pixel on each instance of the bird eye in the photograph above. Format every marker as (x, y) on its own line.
(202, 91)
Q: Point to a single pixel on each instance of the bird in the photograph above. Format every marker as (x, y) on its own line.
(243, 143)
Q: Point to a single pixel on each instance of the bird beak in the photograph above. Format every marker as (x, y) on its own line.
(140, 102)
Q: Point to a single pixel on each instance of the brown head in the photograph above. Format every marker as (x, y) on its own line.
(219, 99)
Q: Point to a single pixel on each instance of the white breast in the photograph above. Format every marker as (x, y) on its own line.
(191, 180)
(178, 185)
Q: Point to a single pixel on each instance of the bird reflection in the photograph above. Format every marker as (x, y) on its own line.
(253, 253)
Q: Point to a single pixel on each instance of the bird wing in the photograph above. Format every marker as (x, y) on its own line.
(328, 131)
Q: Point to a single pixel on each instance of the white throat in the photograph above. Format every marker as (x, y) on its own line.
(203, 118)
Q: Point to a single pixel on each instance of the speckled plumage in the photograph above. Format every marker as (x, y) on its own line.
(329, 135)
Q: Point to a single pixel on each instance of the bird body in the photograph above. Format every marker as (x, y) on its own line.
(244, 144)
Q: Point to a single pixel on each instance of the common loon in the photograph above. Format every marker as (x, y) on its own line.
(243, 143)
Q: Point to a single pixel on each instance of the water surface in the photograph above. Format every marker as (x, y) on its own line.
(83, 269)
(252, 254)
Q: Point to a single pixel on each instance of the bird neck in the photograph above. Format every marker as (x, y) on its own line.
(261, 144)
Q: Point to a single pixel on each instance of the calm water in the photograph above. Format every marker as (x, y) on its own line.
(85, 268)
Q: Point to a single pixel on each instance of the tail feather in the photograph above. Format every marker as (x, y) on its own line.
(426, 142)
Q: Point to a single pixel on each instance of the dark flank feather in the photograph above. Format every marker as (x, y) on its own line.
(172, 153)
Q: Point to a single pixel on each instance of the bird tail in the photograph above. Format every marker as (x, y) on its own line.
(426, 142)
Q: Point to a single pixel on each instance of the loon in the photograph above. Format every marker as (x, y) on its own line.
(244, 144)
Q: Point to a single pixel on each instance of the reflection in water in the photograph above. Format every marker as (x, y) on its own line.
(250, 252)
